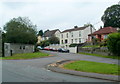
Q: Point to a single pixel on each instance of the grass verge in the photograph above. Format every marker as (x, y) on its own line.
(95, 67)
(26, 56)
(98, 55)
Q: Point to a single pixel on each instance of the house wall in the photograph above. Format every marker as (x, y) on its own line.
(10, 48)
(77, 38)
(0, 43)
(57, 34)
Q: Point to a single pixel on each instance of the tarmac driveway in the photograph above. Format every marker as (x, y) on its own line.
(33, 70)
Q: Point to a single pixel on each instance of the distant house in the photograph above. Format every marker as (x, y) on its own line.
(75, 35)
(51, 33)
(39, 39)
(102, 33)
(14, 48)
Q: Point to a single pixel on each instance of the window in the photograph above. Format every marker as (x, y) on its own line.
(79, 40)
(105, 36)
(76, 40)
(66, 41)
(67, 35)
(62, 41)
(23, 47)
(79, 33)
(71, 40)
(71, 34)
(62, 35)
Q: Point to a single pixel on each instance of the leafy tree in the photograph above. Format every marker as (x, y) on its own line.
(53, 40)
(40, 33)
(88, 24)
(111, 16)
(113, 43)
(44, 43)
(46, 31)
(20, 30)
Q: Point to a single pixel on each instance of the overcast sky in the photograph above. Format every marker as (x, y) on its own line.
(55, 14)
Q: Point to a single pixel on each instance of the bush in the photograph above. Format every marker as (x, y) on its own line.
(44, 43)
(73, 45)
(113, 43)
(103, 43)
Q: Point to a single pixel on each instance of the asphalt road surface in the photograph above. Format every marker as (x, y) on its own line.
(33, 70)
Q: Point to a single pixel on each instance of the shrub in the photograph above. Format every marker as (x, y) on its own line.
(113, 43)
(73, 45)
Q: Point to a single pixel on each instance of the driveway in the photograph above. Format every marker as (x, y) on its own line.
(33, 70)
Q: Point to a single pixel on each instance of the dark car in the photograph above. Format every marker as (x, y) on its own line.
(63, 50)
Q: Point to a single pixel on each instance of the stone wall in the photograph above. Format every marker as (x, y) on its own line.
(102, 50)
(11, 48)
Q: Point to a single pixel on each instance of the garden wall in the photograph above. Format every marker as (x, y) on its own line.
(102, 50)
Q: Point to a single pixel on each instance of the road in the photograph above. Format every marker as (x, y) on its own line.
(33, 70)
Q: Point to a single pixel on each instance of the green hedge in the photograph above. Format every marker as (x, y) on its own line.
(73, 45)
(113, 43)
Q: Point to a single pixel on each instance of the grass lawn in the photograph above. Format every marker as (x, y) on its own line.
(98, 55)
(95, 67)
(26, 56)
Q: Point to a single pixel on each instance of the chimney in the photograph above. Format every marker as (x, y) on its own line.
(100, 27)
(75, 26)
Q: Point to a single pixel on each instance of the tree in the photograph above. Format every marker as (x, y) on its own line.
(111, 16)
(44, 43)
(53, 40)
(88, 24)
(113, 43)
(20, 30)
(40, 33)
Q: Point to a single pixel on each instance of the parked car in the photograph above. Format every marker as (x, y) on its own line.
(54, 49)
(39, 47)
(63, 50)
(46, 48)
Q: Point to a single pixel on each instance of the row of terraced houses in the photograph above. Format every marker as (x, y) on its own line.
(78, 35)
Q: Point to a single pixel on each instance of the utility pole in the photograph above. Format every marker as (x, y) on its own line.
(91, 34)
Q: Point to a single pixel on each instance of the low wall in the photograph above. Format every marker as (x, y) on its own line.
(102, 50)
(72, 49)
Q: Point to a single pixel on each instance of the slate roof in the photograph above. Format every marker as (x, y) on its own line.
(74, 29)
(105, 30)
(50, 33)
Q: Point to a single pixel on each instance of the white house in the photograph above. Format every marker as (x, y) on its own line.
(75, 35)
(51, 33)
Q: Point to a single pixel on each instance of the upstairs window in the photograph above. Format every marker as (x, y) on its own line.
(62, 35)
(71, 34)
(79, 33)
(67, 35)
